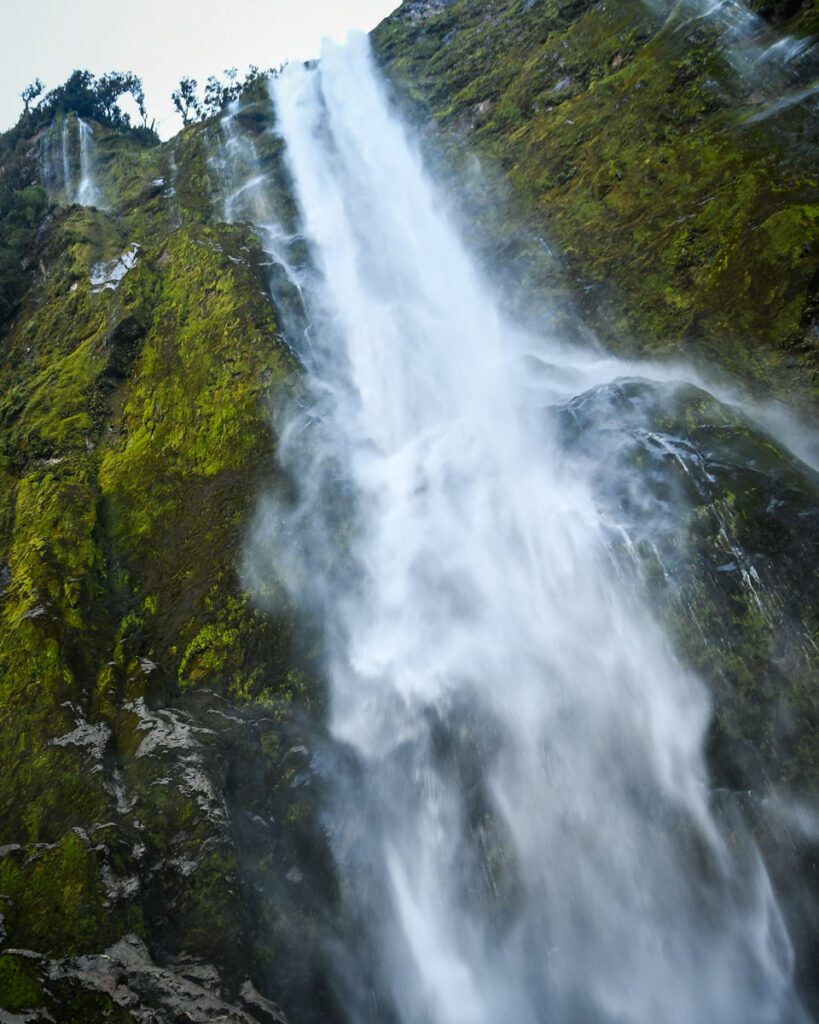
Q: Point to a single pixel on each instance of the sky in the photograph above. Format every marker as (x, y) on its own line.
(163, 41)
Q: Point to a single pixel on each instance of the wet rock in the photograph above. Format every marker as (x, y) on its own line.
(126, 979)
(107, 276)
(724, 523)
(92, 738)
(260, 1007)
(122, 346)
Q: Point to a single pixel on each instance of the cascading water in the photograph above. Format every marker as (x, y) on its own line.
(69, 173)
(247, 191)
(88, 194)
(66, 161)
(522, 824)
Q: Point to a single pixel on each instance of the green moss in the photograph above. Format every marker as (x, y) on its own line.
(20, 987)
(59, 902)
(208, 653)
(53, 553)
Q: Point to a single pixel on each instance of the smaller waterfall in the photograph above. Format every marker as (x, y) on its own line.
(64, 151)
(88, 193)
(247, 190)
(246, 163)
(68, 163)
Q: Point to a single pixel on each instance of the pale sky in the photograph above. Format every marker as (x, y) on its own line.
(163, 41)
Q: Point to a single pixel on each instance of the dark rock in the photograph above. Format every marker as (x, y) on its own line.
(124, 978)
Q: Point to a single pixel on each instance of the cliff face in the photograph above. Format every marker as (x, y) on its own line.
(158, 797)
(669, 156)
(147, 732)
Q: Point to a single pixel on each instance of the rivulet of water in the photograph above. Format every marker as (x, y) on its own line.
(88, 193)
(69, 164)
(522, 821)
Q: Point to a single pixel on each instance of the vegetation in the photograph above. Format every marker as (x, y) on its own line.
(217, 95)
(86, 96)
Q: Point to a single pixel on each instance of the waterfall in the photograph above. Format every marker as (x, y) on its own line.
(88, 194)
(64, 149)
(521, 818)
(68, 165)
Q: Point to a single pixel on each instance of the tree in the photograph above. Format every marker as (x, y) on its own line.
(30, 93)
(253, 73)
(87, 96)
(76, 95)
(108, 90)
(218, 94)
(186, 101)
(138, 93)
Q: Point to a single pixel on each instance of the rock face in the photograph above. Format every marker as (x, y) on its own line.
(417, 9)
(156, 779)
(162, 855)
(124, 984)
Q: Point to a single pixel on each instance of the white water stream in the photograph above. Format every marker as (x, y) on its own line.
(526, 834)
(88, 193)
(69, 166)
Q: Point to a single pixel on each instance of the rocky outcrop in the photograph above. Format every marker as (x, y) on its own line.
(724, 524)
(124, 984)
(718, 524)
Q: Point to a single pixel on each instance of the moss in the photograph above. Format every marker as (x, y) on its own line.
(53, 553)
(59, 902)
(208, 653)
(20, 987)
(192, 436)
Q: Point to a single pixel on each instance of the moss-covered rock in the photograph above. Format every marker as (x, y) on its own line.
(136, 677)
(724, 526)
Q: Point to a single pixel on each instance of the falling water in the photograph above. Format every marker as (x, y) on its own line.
(88, 194)
(248, 191)
(522, 824)
(68, 165)
(64, 150)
